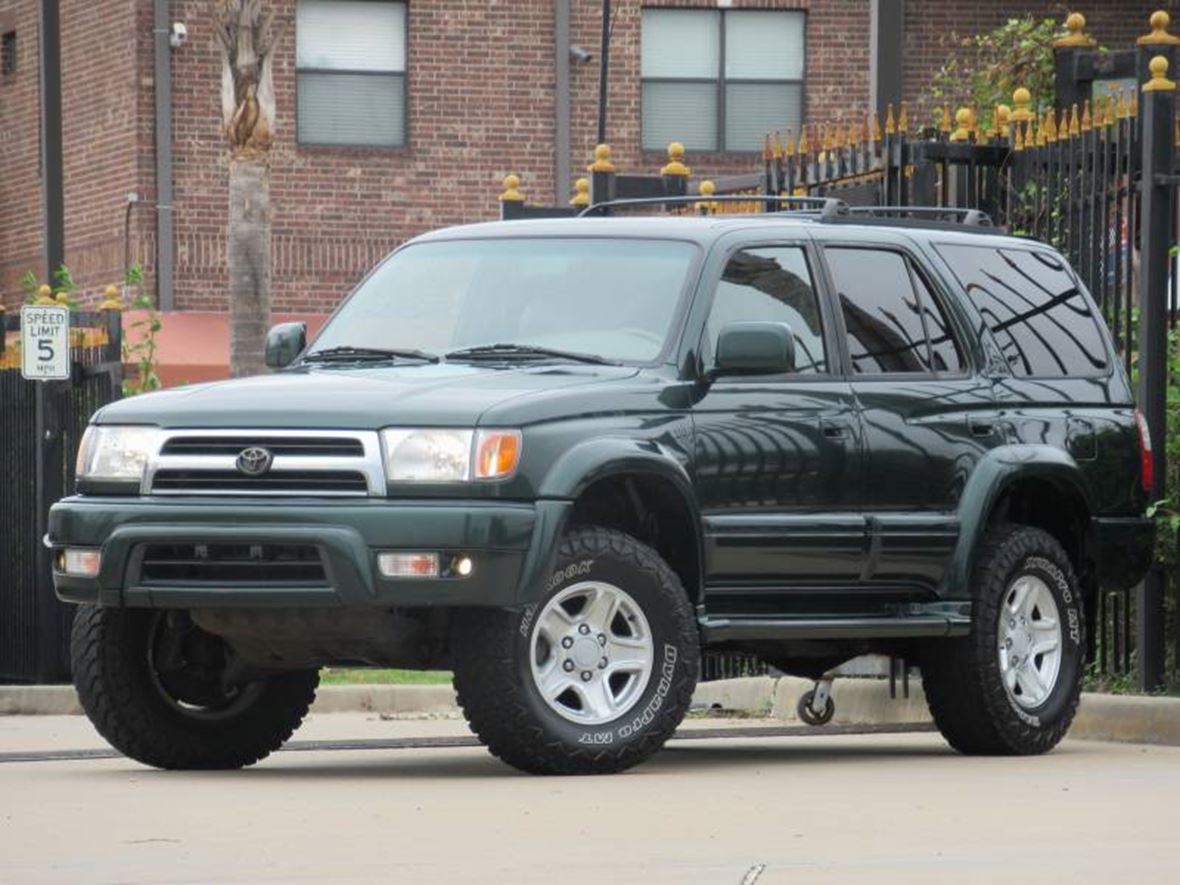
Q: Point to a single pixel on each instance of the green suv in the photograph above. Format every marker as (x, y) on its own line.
(565, 458)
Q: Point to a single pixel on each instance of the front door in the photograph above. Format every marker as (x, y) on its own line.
(777, 458)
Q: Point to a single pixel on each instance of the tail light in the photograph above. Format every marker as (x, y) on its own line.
(1146, 459)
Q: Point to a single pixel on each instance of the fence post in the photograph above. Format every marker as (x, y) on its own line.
(1065, 54)
(602, 176)
(675, 173)
(1157, 112)
(511, 200)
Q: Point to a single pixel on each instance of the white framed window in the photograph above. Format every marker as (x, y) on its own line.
(350, 67)
(718, 80)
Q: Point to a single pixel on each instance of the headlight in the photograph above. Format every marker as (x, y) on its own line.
(443, 455)
(114, 453)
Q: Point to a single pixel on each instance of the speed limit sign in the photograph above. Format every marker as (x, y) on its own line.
(45, 342)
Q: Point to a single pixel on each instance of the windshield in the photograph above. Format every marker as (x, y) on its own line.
(611, 298)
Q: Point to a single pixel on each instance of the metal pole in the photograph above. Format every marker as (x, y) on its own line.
(561, 112)
(161, 30)
(1157, 115)
(603, 64)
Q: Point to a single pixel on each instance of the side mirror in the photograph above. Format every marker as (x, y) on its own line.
(284, 342)
(760, 348)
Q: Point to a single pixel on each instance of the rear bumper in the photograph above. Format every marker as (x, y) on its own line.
(1124, 547)
(510, 543)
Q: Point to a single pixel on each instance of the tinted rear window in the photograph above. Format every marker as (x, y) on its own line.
(1031, 302)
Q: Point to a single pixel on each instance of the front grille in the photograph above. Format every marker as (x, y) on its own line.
(280, 446)
(222, 564)
(277, 482)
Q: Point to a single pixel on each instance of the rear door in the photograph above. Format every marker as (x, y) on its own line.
(927, 416)
(777, 457)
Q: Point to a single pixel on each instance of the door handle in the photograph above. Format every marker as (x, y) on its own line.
(833, 429)
(981, 427)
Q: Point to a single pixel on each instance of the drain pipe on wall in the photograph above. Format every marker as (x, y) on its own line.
(561, 117)
(162, 34)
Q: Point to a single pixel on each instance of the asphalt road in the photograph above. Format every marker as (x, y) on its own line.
(759, 811)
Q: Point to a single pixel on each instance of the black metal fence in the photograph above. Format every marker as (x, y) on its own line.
(42, 425)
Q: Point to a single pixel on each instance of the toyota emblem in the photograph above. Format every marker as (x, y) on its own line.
(254, 461)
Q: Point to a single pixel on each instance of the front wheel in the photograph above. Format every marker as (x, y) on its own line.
(594, 676)
(1012, 686)
(155, 686)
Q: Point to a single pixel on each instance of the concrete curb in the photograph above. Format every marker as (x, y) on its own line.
(1123, 718)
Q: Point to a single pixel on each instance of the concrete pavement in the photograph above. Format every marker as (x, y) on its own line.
(767, 811)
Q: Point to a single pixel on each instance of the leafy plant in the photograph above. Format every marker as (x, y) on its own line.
(62, 291)
(142, 352)
(985, 69)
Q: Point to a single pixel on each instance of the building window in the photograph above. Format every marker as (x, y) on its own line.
(8, 54)
(350, 58)
(720, 80)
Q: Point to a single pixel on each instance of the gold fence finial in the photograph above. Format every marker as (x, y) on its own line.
(1087, 119)
(1003, 121)
(903, 119)
(804, 143)
(1018, 137)
(1075, 24)
(890, 123)
(1108, 116)
(1050, 126)
(675, 164)
(1159, 35)
(581, 195)
(1159, 81)
(1121, 106)
(44, 294)
(1022, 99)
(874, 127)
(1075, 125)
(1133, 106)
(706, 189)
(776, 145)
(111, 299)
(511, 192)
(602, 161)
(789, 143)
(944, 123)
(962, 125)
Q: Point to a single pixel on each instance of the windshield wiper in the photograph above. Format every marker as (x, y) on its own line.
(348, 353)
(527, 351)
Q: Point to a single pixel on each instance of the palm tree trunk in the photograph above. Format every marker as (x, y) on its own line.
(249, 264)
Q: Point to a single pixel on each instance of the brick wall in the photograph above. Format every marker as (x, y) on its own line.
(20, 169)
(481, 104)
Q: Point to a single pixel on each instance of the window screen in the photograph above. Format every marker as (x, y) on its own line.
(1034, 307)
(891, 322)
(720, 80)
(350, 58)
(773, 285)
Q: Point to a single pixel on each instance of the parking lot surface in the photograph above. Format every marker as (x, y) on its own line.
(752, 810)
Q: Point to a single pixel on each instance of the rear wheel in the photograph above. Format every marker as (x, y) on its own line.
(596, 675)
(156, 687)
(1012, 686)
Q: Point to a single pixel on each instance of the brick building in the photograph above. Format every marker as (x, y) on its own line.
(396, 117)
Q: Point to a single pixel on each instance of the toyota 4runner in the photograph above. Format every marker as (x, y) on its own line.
(564, 458)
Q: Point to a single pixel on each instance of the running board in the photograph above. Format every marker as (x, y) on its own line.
(913, 627)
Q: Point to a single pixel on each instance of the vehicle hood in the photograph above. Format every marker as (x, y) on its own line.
(440, 395)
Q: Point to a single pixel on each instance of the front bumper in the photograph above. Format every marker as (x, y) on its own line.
(512, 545)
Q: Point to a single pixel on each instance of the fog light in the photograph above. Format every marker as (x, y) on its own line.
(462, 566)
(408, 565)
(80, 563)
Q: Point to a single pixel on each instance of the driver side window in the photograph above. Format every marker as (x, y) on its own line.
(770, 284)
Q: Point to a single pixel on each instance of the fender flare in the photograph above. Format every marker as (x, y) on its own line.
(992, 477)
(578, 469)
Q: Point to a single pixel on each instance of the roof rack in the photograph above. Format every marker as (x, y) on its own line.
(824, 207)
(972, 217)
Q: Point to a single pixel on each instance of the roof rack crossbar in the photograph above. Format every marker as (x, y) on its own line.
(827, 206)
(974, 217)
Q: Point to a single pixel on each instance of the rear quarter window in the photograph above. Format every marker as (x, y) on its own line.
(1034, 307)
